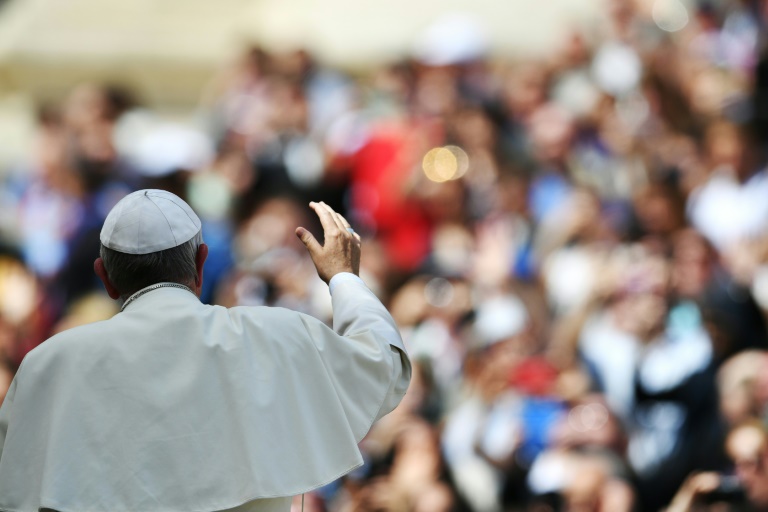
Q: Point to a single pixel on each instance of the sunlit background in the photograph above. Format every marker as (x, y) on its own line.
(563, 203)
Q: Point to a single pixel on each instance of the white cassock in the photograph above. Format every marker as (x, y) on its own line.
(173, 405)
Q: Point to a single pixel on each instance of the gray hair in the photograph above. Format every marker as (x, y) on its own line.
(130, 273)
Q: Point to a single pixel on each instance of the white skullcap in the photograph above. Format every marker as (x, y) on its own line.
(149, 221)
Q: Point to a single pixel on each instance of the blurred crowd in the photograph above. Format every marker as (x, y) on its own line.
(574, 247)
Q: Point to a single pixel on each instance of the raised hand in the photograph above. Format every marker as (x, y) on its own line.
(341, 252)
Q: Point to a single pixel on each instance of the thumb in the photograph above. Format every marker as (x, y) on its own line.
(309, 241)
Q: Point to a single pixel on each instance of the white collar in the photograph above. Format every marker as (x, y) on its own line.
(153, 287)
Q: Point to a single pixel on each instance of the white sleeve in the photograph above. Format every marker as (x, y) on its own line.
(357, 312)
(365, 357)
(342, 277)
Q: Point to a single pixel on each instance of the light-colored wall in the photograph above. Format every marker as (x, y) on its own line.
(168, 50)
(45, 45)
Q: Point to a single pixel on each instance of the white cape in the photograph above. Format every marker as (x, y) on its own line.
(173, 405)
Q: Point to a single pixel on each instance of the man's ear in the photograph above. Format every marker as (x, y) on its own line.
(200, 257)
(98, 267)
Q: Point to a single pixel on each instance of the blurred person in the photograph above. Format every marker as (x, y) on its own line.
(216, 194)
(67, 185)
(406, 473)
(435, 90)
(725, 306)
(432, 312)
(452, 248)
(47, 206)
(523, 90)
(492, 419)
(26, 313)
(6, 377)
(656, 370)
(707, 492)
(658, 210)
(90, 104)
(95, 175)
(551, 131)
(581, 481)
(573, 87)
(747, 447)
(474, 133)
(606, 155)
(678, 160)
(417, 468)
(239, 96)
(742, 383)
(414, 406)
(268, 266)
(729, 208)
(663, 88)
(504, 236)
(379, 190)
(583, 466)
(572, 246)
(94, 307)
(531, 412)
(175, 405)
(734, 30)
(288, 160)
(277, 108)
(759, 99)
(589, 424)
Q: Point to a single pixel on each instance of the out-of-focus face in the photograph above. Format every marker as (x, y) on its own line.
(270, 227)
(436, 91)
(551, 130)
(642, 307)
(474, 130)
(691, 269)
(658, 211)
(583, 493)
(435, 498)
(724, 146)
(643, 312)
(742, 383)
(525, 89)
(746, 446)
(417, 460)
(760, 391)
(86, 105)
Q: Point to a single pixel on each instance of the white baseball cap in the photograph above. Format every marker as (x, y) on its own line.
(149, 221)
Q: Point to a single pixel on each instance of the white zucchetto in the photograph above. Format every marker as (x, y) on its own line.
(149, 221)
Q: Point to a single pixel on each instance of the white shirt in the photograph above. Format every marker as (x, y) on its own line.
(173, 405)
(726, 211)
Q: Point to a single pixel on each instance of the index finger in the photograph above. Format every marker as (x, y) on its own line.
(326, 219)
(335, 216)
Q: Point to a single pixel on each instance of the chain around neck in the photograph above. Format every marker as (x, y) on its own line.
(153, 287)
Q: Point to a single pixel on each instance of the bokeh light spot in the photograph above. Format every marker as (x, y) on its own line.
(462, 161)
(588, 417)
(670, 15)
(440, 165)
(438, 292)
